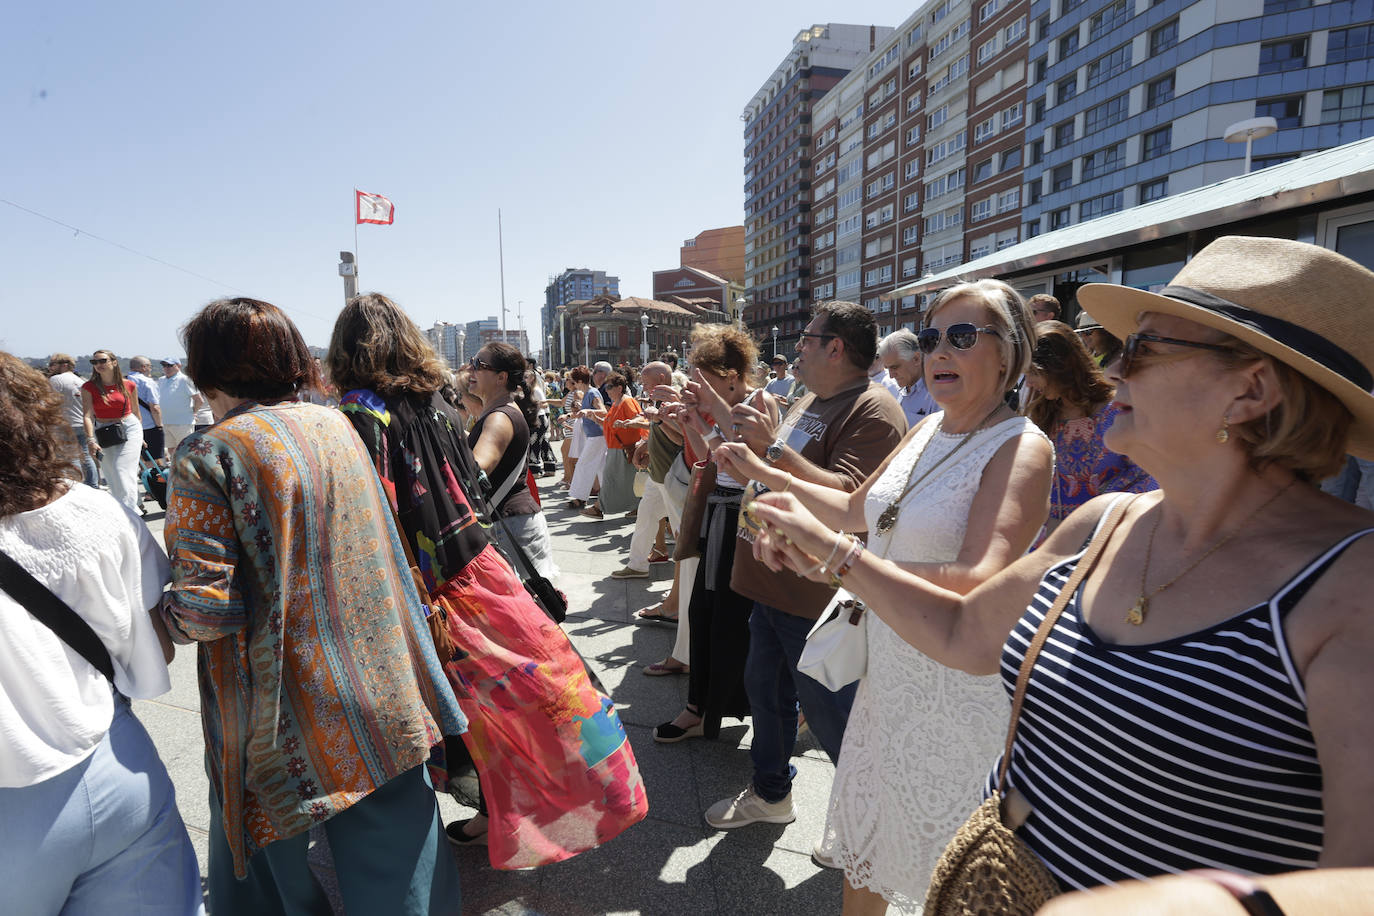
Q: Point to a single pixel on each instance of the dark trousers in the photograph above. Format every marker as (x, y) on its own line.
(154, 439)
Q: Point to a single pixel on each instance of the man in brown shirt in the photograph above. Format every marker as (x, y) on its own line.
(837, 434)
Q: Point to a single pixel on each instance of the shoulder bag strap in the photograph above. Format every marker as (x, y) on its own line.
(55, 614)
(1112, 518)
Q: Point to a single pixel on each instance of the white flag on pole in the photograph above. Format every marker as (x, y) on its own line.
(374, 208)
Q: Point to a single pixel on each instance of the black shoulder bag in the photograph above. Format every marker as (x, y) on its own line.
(55, 614)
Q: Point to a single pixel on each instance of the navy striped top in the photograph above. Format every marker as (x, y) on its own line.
(1153, 759)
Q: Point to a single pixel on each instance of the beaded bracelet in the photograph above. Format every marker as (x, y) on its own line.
(856, 548)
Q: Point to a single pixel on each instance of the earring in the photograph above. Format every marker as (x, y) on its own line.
(1224, 434)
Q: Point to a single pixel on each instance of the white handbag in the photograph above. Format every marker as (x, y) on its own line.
(836, 650)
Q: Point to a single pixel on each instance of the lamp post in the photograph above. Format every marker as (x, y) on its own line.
(643, 338)
(586, 336)
(562, 336)
(1248, 132)
(462, 355)
(775, 340)
(740, 303)
(548, 350)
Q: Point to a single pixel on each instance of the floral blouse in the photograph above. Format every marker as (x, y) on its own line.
(1085, 468)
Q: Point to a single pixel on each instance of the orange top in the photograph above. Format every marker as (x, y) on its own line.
(619, 438)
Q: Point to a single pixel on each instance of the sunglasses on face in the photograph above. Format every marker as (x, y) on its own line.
(99, 362)
(475, 364)
(1130, 349)
(961, 336)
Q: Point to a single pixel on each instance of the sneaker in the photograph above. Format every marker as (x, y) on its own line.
(748, 808)
(629, 572)
(823, 859)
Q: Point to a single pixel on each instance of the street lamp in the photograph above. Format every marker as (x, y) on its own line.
(548, 350)
(562, 335)
(643, 338)
(586, 336)
(1248, 132)
(462, 355)
(740, 303)
(775, 341)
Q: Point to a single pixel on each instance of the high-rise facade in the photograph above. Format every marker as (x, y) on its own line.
(777, 172)
(976, 124)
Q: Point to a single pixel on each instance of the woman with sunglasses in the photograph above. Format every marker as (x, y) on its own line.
(961, 497)
(1202, 701)
(500, 440)
(557, 775)
(1071, 401)
(110, 402)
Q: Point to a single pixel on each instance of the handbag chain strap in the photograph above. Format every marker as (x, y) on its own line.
(1113, 517)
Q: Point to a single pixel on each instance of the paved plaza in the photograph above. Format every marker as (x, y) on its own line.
(672, 862)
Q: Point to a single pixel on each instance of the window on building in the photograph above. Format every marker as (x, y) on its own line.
(1008, 200)
(1014, 32)
(1154, 190)
(913, 103)
(1286, 111)
(1108, 159)
(1285, 6)
(910, 266)
(1352, 104)
(1033, 191)
(1108, 18)
(1112, 111)
(1066, 89)
(1006, 239)
(913, 135)
(911, 202)
(1068, 44)
(1159, 91)
(1278, 56)
(1100, 206)
(1263, 162)
(1159, 142)
(982, 171)
(1032, 228)
(1012, 116)
(1042, 27)
(1061, 179)
(913, 168)
(989, 9)
(984, 130)
(1063, 134)
(1067, 5)
(1164, 37)
(1036, 152)
(1060, 218)
(937, 117)
(1349, 44)
(607, 340)
(1109, 65)
(1011, 159)
(1038, 110)
(909, 235)
(1038, 69)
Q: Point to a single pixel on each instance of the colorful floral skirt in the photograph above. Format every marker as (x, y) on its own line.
(555, 764)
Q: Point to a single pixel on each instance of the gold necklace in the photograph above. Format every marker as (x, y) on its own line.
(887, 520)
(1136, 615)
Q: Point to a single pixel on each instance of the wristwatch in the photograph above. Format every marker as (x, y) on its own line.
(774, 451)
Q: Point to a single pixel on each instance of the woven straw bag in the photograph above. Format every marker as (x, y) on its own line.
(986, 870)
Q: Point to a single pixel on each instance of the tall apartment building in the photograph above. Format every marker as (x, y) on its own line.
(1130, 99)
(716, 251)
(444, 338)
(572, 285)
(979, 123)
(777, 172)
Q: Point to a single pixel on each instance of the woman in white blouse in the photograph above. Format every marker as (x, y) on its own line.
(89, 813)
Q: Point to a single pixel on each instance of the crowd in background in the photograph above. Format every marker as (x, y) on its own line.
(1196, 705)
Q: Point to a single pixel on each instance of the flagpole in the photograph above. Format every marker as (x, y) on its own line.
(501, 254)
(355, 235)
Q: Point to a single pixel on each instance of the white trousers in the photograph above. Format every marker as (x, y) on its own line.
(119, 463)
(589, 465)
(654, 506)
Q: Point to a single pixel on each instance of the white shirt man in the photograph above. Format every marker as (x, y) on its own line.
(780, 385)
(179, 401)
(149, 400)
(68, 384)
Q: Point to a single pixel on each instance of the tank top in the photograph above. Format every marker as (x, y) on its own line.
(1152, 759)
(518, 500)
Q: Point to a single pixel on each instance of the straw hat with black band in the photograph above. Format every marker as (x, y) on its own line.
(1306, 306)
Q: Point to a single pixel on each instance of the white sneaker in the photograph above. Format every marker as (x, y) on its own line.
(822, 858)
(748, 808)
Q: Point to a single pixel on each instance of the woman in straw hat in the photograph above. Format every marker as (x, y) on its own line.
(1205, 693)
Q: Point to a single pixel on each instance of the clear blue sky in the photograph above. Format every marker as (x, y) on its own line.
(227, 139)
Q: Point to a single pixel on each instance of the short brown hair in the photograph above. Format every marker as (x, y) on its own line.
(580, 374)
(375, 345)
(39, 453)
(1045, 300)
(719, 348)
(248, 348)
(855, 327)
(1306, 432)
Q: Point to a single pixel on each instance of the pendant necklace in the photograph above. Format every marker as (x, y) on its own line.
(1136, 615)
(887, 520)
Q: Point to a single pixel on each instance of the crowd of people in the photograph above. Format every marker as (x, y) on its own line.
(357, 561)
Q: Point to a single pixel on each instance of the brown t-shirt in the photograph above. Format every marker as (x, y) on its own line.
(850, 434)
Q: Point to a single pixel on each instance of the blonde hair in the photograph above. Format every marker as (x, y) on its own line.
(719, 348)
(1008, 314)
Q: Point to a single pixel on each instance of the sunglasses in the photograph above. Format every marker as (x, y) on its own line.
(1130, 349)
(961, 336)
(99, 362)
(474, 364)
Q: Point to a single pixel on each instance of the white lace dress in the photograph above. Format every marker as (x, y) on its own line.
(920, 736)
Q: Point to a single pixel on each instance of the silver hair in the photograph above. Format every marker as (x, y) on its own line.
(901, 342)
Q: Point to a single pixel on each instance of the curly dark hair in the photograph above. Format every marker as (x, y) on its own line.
(40, 454)
(1067, 366)
(375, 345)
(719, 348)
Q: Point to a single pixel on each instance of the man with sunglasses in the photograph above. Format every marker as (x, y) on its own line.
(64, 380)
(835, 435)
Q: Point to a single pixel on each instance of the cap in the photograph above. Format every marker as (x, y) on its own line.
(171, 361)
(778, 359)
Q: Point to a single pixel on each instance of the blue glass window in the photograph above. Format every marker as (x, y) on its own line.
(1164, 38)
(1349, 44)
(1278, 56)
(1287, 111)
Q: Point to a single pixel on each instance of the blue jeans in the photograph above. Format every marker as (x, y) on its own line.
(775, 688)
(102, 837)
(90, 474)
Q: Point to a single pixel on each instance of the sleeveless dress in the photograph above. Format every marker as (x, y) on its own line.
(1194, 752)
(920, 735)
